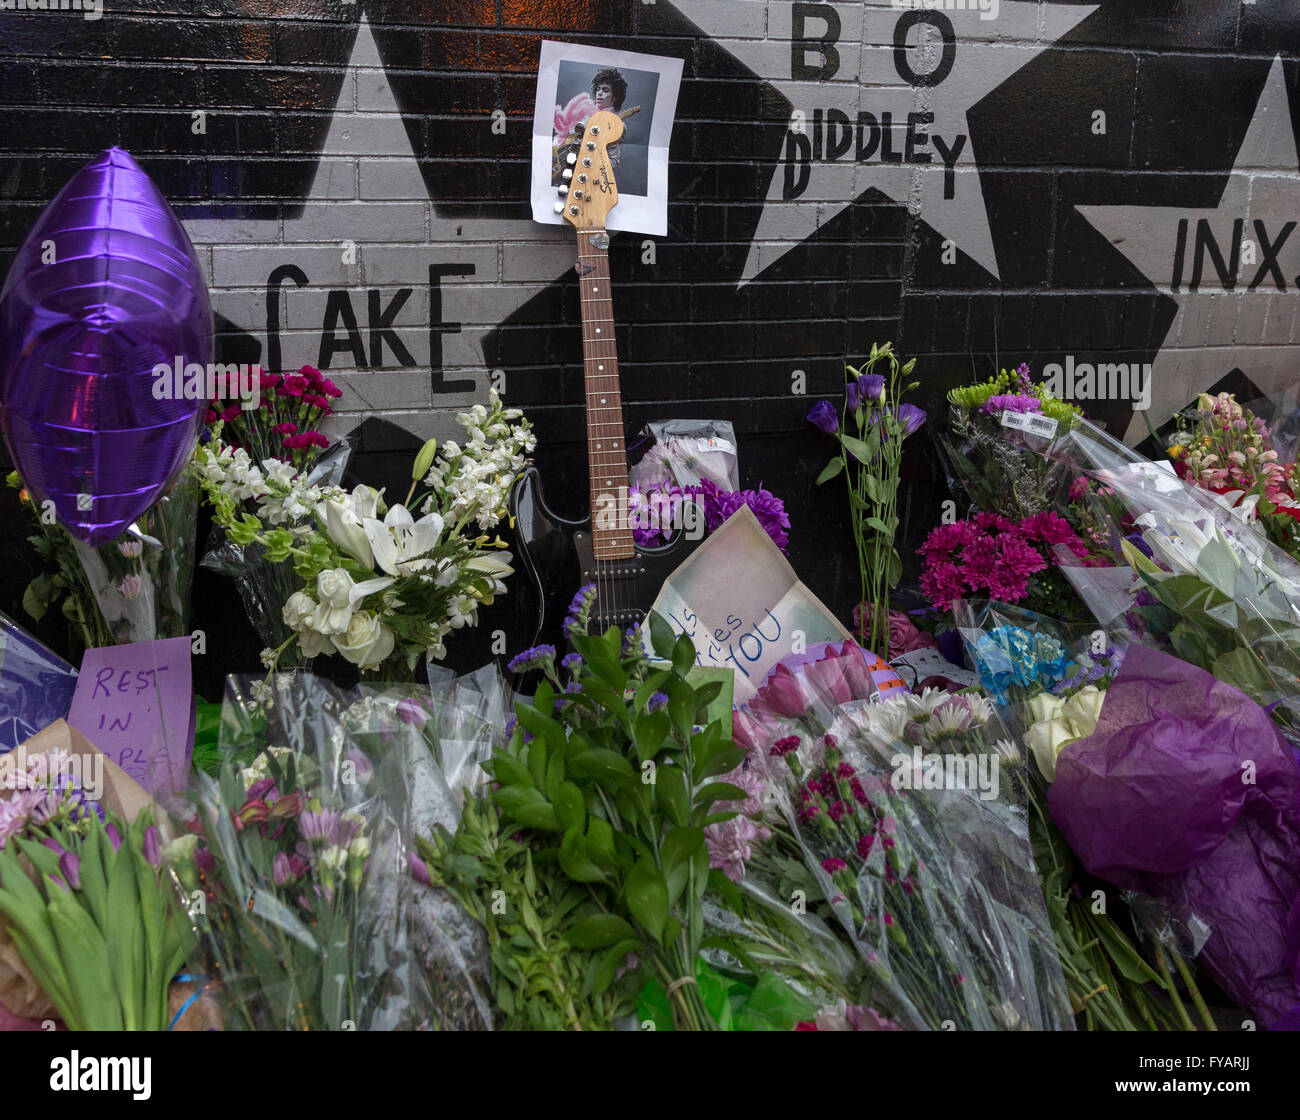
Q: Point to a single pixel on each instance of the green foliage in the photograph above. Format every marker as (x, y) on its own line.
(610, 779)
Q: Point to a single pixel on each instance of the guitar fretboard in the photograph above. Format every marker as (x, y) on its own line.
(606, 450)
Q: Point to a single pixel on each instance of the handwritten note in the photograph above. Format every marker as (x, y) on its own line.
(135, 703)
(745, 624)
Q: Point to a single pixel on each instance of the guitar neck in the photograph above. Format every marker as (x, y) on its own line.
(606, 449)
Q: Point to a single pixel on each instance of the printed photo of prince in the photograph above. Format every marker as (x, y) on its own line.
(583, 89)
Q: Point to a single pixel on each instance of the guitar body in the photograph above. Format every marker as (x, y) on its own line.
(559, 557)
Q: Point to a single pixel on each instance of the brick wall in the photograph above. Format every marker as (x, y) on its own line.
(804, 222)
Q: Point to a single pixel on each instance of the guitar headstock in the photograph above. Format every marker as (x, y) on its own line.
(591, 192)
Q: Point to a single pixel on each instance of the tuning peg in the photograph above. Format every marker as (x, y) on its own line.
(580, 128)
(567, 173)
(571, 158)
(563, 191)
(559, 207)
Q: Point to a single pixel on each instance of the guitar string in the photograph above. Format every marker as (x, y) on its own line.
(607, 582)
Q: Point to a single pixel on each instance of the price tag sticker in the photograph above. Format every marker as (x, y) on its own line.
(1034, 423)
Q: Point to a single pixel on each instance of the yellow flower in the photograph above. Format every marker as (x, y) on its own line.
(1176, 452)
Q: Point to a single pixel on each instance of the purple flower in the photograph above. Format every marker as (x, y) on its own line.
(413, 712)
(531, 658)
(419, 872)
(572, 661)
(872, 388)
(114, 837)
(852, 396)
(1005, 402)
(260, 788)
(831, 866)
(70, 865)
(152, 847)
(286, 868)
(656, 701)
(824, 418)
(204, 860)
(911, 418)
(317, 827)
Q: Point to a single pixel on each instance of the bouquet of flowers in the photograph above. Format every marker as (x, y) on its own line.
(276, 463)
(1223, 597)
(1228, 450)
(381, 592)
(993, 448)
(871, 464)
(285, 425)
(992, 555)
(133, 589)
(657, 512)
(1145, 756)
(295, 867)
(90, 927)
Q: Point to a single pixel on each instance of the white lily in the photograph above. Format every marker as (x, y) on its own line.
(400, 542)
(344, 519)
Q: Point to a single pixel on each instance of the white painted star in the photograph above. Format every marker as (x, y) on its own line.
(946, 192)
(1243, 321)
(368, 191)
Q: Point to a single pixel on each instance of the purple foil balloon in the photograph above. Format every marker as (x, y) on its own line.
(122, 292)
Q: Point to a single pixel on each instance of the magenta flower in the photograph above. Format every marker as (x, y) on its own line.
(832, 866)
(419, 872)
(70, 865)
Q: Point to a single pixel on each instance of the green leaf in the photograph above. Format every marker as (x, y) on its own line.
(662, 636)
(671, 795)
(646, 895)
(855, 447)
(577, 864)
(570, 808)
(651, 729)
(683, 654)
(680, 845)
(718, 791)
(833, 468)
(528, 807)
(721, 760)
(603, 765)
(509, 771)
(599, 932)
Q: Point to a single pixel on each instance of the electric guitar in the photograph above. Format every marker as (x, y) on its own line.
(559, 556)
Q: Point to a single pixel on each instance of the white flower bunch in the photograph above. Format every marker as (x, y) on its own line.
(476, 479)
(281, 495)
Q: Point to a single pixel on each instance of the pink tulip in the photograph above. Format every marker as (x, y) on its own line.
(783, 694)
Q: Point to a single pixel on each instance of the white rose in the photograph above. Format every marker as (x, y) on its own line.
(1045, 741)
(1045, 706)
(298, 610)
(1083, 710)
(367, 641)
(333, 613)
(313, 644)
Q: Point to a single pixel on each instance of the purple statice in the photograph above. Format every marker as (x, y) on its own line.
(1010, 402)
(572, 661)
(579, 609)
(533, 658)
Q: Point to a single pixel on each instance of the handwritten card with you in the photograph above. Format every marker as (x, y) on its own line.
(135, 702)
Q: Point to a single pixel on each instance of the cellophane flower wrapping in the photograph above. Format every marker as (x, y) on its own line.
(1000, 469)
(36, 685)
(296, 862)
(264, 587)
(1187, 792)
(141, 581)
(1211, 588)
(934, 888)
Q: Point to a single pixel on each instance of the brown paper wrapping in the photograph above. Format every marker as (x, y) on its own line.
(124, 797)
